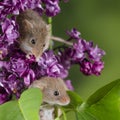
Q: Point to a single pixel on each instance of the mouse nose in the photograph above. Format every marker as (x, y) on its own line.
(37, 54)
(65, 100)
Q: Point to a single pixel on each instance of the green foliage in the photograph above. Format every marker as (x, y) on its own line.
(102, 105)
(75, 100)
(26, 108)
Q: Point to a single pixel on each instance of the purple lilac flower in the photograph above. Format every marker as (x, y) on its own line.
(10, 83)
(69, 85)
(8, 36)
(32, 4)
(97, 67)
(85, 54)
(96, 53)
(86, 67)
(18, 66)
(22, 68)
(50, 66)
(78, 51)
(89, 68)
(9, 7)
(74, 33)
(10, 30)
(29, 77)
(16, 6)
(15, 85)
(87, 45)
(52, 8)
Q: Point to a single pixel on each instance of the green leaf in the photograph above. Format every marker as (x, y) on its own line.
(102, 92)
(84, 115)
(102, 105)
(26, 108)
(57, 118)
(106, 107)
(75, 100)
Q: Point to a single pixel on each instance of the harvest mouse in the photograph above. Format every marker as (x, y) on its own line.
(53, 89)
(34, 33)
(54, 93)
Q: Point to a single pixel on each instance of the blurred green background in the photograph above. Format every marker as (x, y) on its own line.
(99, 21)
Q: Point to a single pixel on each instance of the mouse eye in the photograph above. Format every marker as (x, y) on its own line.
(43, 45)
(33, 41)
(56, 93)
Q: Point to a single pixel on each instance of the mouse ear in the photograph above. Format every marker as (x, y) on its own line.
(63, 83)
(28, 24)
(38, 84)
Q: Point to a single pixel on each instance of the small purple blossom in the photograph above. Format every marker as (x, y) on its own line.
(8, 36)
(97, 67)
(16, 6)
(96, 53)
(86, 67)
(89, 68)
(15, 85)
(74, 33)
(50, 65)
(78, 51)
(52, 8)
(10, 30)
(19, 66)
(29, 77)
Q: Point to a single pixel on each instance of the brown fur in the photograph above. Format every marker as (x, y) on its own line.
(48, 85)
(32, 26)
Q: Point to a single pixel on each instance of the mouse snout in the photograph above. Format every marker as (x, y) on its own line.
(37, 53)
(65, 100)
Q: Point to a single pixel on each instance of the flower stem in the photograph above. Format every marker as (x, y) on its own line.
(64, 114)
(50, 23)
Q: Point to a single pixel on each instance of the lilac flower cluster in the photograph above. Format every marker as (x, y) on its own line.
(83, 53)
(8, 36)
(50, 66)
(49, 7)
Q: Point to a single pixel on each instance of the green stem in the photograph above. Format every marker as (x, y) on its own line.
(50, 23)
(64, 114)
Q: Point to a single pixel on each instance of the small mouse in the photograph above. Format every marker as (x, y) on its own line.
(34, 33)
(54, 93)
(53, 89)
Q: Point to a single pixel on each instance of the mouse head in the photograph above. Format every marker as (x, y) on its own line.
(35, 37)
(53, 89)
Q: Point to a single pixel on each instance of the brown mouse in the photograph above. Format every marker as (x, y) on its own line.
(53, 89)
(34, 33)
